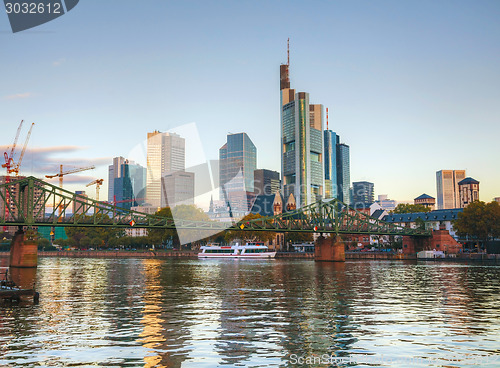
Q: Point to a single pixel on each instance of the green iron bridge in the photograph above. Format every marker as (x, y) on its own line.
(32, 202)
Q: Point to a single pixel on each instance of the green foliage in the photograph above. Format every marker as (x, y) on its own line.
(97, 237)
(160, 236)
(181, 212)
(248, 235)
(410, 208)
(420, 223)
(294, 237)
(44, 244)
(479, 220)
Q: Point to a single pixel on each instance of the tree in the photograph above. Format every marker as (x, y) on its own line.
(479, 221)
(410, 208)
(160, 236)
(82, 236)
(295, 237)
(249, 235)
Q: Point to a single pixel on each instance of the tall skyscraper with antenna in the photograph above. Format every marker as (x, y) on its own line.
(302, 166)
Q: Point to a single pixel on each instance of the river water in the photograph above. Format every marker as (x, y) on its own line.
(250, 313)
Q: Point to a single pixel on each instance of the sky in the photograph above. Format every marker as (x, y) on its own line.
(412, 87)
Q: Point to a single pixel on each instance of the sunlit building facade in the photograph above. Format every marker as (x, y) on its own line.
(448, 194)
(302, 167)
(166, 154)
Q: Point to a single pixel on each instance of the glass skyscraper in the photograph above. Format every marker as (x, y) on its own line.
(302, 168)
(129, 189)
(343, 172)
(238, 161)
(330, 139)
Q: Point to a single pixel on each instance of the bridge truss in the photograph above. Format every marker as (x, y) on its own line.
(32, 202)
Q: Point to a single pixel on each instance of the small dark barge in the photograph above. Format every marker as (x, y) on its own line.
(10, 292)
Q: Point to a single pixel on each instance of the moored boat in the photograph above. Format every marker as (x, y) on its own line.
(249, 250)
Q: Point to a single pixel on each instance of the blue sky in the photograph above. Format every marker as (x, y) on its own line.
(413, 87)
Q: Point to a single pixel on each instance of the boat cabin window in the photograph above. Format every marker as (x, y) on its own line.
(261, 250)
(219, 251)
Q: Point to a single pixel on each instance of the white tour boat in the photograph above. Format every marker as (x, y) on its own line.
(249, 250)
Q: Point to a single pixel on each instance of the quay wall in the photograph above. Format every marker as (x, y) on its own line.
(282, 255)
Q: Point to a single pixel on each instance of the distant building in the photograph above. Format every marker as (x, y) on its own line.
(435, 220)
(301, 143)
(273, 205)
(129, 189)
(426, 200)
(469, 191)
(147, 209)
(114, 171)
(238, 161)
(177, 188)
(79, 208)
(166, 154)
(343, 172)
(385, 203)
(330, 142)
(497, 199)
(363, 194)
(17, 200)
(266, 182)
(448, 194)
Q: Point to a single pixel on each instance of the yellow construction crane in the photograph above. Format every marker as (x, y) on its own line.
(98, 183)
(62, 173)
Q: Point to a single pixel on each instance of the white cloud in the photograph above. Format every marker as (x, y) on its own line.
(18, 96)
(59, 62)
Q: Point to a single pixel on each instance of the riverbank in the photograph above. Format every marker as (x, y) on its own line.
(187, 254)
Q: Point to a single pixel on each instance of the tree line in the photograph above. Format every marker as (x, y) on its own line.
(83, 237)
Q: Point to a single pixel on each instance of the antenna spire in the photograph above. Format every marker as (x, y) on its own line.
(288, 52)
(327, 118)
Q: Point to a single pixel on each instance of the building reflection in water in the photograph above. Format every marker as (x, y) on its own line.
(167, 300)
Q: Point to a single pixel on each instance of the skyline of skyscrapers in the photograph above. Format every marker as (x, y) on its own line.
(448, 194)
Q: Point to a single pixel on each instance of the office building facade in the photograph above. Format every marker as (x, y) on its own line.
(343, 173)
(302, 166)
(266, 182)
(177, 188)
(130, 187)
(114, 171)
(165, 155)
(469, 191)
(448, 194)
(237, 162)
(330, 158)
(363, 193)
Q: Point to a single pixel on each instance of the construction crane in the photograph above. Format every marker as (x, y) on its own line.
(9, 161)
(98, 183)
(62, 173)
(10, 165)
(18, 165)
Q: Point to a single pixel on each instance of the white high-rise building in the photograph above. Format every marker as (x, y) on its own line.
(166, 154)
(448, 193)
